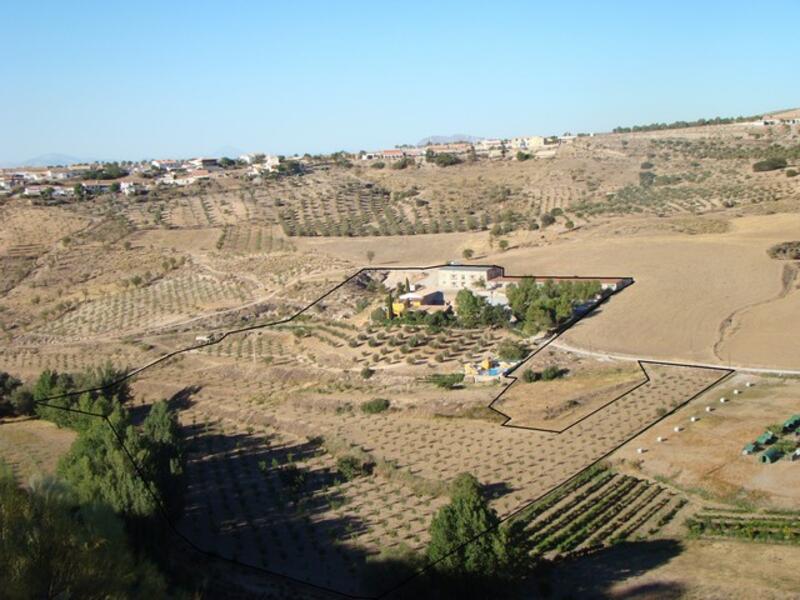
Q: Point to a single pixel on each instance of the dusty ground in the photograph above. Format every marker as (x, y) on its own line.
(705, 456)
(588, 385)
(33, 447)
(708, 570)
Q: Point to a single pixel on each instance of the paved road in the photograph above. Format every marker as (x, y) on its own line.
(742, 368)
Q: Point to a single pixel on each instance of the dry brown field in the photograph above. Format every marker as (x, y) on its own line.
(706, 455)
(268, 411)
(708, 570)
(32, 448)
(587, 386)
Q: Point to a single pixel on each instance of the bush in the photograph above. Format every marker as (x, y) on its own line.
(55, 547)
(552, 372)
(366, 372)
(8, 386)
(785, 251)
(791, 173)
(511, 350)
(351, 467)
(529, 376)
(378, 164)
(375, 406)
(547, 220)
(770, 164)
(445, 159)
(448, 382)
(403, 163)
(646, 178)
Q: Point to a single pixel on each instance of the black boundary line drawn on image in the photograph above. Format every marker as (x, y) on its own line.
(508, 375)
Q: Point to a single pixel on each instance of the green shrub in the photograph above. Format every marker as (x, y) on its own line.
(375, 406)
(366, 372)
(511, 350)
(445, 159)
(552, 372)
(529, 376)
(446, 381)
(351, 467)
(770, 164)
(403, 163)
(646, 178)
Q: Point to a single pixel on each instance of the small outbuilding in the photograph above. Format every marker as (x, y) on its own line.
(771, 455)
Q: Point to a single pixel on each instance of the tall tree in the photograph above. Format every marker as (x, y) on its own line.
(54, 547)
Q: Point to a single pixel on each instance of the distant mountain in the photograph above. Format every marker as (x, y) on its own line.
(49, 160)
(448, 139)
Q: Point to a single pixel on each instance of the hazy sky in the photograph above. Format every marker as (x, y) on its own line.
(117, 80)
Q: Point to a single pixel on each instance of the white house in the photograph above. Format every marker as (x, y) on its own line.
(203, 163)
(526, 143)
(131, 188)
(63, 174)
(167, 165)
(454, 277)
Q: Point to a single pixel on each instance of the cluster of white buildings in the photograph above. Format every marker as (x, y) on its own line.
(490, 148)
(788, 117)
(59, 183)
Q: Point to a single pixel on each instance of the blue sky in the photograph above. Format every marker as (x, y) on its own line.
(158, 79)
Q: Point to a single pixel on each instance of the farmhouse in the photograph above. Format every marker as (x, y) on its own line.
(526, 143)
(392, 154)
(453, 277)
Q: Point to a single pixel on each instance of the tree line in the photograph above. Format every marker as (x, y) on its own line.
(115, 479)
(686, 124)
(542, 307)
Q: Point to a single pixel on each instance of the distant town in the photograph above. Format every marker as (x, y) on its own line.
(58, 183)
(50, 185)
